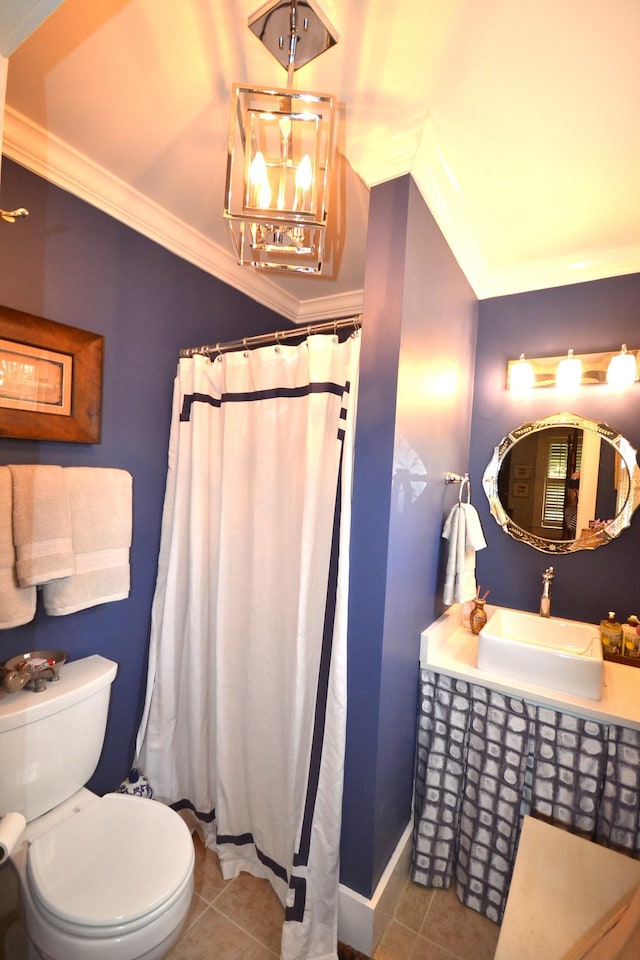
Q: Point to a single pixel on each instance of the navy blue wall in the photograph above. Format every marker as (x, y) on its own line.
(588, 317)
(414, 415)
(72, 264)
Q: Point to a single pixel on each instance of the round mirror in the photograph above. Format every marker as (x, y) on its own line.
(563, 483)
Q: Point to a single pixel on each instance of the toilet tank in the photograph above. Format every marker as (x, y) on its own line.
(50, 742)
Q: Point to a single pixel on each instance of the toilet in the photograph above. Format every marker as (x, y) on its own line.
(98, 877)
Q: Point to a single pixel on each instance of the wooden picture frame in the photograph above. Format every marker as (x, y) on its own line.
(50, 379)
(522, 471)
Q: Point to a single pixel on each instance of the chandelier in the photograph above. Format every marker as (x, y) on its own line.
(280, 150)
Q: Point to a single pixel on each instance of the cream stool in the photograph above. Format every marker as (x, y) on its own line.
(570, 899)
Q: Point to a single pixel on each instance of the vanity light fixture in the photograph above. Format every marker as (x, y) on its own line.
(623, 369)
(569, 373)
(280, 150)
(618, 369)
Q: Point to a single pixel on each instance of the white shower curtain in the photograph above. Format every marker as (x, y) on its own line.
(244, 719)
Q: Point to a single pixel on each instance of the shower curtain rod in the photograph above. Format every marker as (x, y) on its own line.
(265, 339)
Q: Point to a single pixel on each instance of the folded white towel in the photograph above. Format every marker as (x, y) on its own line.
(474, 533)
(17, 604)
(101, 519)
(41, 524)
(464, 532)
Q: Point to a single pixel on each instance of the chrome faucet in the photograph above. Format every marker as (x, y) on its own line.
(545, 600)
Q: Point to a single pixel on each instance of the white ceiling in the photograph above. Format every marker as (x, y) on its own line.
(518, 120)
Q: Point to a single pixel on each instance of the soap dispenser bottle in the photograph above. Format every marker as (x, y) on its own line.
(631, 637)
(611, 635)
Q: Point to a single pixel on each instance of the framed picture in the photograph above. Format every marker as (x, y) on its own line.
(520, 489)
(50, 379)
(522, 471)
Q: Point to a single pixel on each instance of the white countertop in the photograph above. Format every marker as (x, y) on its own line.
(449, 648)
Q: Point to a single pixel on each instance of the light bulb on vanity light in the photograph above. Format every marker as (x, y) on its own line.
(622, 370)
(569, 373)
(521, 376)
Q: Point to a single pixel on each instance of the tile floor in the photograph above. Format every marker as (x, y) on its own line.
(241, 919)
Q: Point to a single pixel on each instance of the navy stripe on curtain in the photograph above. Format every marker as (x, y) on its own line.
(304, 391)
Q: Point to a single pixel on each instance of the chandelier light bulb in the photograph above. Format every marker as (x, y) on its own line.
(304, 173)
(259, 180)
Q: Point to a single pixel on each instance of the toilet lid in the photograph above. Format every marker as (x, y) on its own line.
(114, 861)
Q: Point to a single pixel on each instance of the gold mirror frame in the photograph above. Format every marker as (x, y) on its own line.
(599, 536)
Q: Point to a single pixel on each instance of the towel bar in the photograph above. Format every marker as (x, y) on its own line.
(463, 480)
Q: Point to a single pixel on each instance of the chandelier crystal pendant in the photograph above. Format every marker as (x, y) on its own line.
(280, 149)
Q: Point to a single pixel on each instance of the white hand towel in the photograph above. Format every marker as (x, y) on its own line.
(17, 604)
(463, 530)
(101, 519)
(474, 533)
(41, 524)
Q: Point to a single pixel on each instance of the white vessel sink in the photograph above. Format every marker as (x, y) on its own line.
(561, 654)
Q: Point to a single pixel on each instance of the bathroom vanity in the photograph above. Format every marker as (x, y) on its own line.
(492, 749)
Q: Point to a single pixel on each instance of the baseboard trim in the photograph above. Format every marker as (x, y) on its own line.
(361, 921)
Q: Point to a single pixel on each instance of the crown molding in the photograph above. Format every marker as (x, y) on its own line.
(441, 193)
(55, 161)
(19, 18)
(333, 307)
(439, 190)
(392, 157)
(561, 271)
(382, 169)
(29, 145)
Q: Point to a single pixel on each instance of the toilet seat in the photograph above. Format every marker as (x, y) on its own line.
(112, 868)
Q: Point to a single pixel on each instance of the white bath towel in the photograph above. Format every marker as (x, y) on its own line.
(17, 604)
(41, 524)
(101, 520)
(464, 532)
